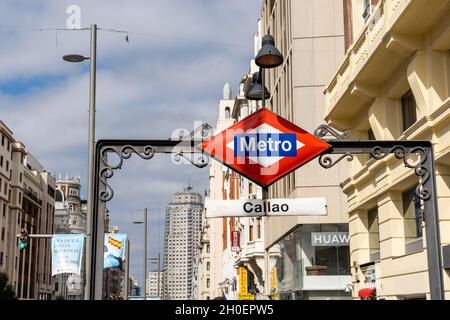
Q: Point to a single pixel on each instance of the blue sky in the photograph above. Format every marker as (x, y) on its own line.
(171, 73)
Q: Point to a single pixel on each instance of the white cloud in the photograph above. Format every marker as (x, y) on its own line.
(169, 75)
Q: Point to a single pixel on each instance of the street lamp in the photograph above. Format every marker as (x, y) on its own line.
(145, 250)
(255, 90)
(268, 57)
(74, 58)
(90, 289)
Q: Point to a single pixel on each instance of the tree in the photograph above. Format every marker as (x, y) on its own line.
(6, 290)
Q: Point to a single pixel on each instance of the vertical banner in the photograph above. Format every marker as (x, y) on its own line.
(243, 285)
(243, 280)
(274, 284)
(235, 241)
(67, 250)
(114, 250)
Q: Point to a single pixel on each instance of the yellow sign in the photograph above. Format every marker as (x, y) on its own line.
(243, 281)
(273, 280)
(246, 296)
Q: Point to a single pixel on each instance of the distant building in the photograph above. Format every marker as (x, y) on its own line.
(26, 201)
(153, 290)
(70, 217)
(135, 290)
(182, 227)
(70, 202)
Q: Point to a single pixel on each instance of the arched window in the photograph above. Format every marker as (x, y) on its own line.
(227, 113)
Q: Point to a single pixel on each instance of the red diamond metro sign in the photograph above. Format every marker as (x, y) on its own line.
(264, 147)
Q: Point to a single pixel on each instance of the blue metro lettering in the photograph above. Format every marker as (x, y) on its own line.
(265, 145)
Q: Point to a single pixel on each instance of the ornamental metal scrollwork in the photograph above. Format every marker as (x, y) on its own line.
(200, 162)
(420, 169)
(146, 152)
(323, 130)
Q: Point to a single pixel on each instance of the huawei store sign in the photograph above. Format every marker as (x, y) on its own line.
(329, 239)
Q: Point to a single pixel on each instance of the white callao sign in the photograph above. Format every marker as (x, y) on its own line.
(272, 207)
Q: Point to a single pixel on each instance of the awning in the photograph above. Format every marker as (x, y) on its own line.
(366, 292)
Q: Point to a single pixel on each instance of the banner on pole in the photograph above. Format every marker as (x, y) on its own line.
(114, 250)
(235, 241)
(67, 250)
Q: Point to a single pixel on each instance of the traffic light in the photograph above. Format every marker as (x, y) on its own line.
(23, 238)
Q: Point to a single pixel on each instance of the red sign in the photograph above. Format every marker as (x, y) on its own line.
(264, 147)
(235, 241)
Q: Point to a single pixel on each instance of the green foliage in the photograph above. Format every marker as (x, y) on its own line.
(6, 290)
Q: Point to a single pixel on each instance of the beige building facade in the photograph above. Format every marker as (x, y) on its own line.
(393, 84)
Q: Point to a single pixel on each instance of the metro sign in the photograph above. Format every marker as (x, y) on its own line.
(264, 147)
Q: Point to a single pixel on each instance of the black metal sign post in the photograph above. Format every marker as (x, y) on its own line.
(424, 168)
(187, 148)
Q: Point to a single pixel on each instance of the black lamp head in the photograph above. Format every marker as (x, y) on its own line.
(269, 56)
(255, 90)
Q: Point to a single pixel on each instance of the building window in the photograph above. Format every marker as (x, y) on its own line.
(250, 233)
(367, 9)
(208, 266)
(374, 231)
(258, 221)
(227, 113)
(207, 282)
(1, 161)
(3, 140)
(412, 214)
(408, 110)
(7, 165)
(207, 248)
(3, 234)
(1, 258)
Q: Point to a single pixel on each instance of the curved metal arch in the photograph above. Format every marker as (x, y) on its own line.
(420, 169)
(379, 152)
(146, 151)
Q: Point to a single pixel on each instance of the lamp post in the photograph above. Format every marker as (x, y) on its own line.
(145, 250)
(268, 57)
(89, 286)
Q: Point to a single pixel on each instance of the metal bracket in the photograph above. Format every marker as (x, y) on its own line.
(186, 147)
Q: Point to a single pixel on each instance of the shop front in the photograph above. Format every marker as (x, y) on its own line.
(313, 264)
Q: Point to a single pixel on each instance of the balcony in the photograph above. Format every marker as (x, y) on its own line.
(392, 34)
(253, 249)
(33, 196)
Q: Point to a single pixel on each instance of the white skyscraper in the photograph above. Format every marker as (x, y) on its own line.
(183, 225)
